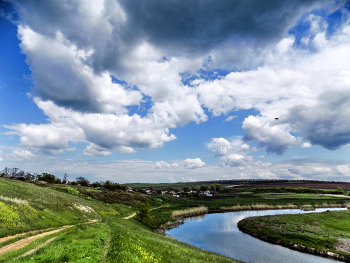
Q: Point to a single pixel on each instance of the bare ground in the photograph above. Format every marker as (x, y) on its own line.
(23, 242)
(3, 239)
(38, 247)
(129, 216)
(343, 245)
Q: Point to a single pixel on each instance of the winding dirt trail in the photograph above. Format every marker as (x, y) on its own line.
(129, 216)
(23, 242)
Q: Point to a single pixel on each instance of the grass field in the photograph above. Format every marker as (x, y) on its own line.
(109, 238)
(324, 232)
(100, 234)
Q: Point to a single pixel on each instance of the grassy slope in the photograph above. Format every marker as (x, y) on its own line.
(321, 231)
(25, 207)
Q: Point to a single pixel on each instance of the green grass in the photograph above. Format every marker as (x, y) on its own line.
(133, 242)
(321, 231)
(28, 207)
(82, 243)
(25, 207)
(299, 196)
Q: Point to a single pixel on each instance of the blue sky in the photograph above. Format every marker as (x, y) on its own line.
(169, 91)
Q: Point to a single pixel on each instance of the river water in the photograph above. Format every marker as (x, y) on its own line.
(219, 233)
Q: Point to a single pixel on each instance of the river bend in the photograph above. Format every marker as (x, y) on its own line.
(219, 233)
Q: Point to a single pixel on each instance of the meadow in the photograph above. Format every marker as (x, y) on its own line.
(326, 233)
(99, 232)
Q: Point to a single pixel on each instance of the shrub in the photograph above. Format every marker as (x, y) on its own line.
(71, 190)
(143, 213)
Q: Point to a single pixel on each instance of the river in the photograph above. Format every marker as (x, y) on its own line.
(219, 233)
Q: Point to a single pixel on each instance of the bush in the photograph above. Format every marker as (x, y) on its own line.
(143, 213)
(71, 190)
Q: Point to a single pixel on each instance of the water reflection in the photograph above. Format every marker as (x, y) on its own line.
(219, 233)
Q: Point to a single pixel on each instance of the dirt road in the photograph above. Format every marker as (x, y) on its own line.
(23, 242)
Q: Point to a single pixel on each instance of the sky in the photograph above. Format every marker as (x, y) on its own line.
(176, 91)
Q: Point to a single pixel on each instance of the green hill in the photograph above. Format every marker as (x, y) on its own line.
(98, 232)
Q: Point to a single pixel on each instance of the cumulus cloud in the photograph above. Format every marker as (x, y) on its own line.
(21, 154)
(325, 124)
(106, 132)
(163, 164)
(276, 138)
(306, 145)
(222, 147)
(232, 153)
(94, 150)
(236, 159)
(189, 24)
(193, 163)
(92, 63)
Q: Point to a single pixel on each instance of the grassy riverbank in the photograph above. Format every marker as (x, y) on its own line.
(326, 233)
(98, 233)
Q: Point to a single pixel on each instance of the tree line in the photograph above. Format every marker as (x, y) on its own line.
(18, 174)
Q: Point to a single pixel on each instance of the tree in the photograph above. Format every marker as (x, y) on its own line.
(7, 171)
(107, 185)
(186, 189)
(204, 187)
(29, 176)
(46, 177)
(96, 184)
(143, 213)
(65, 178)
(82, 181)
(14, 172)
(216, 187)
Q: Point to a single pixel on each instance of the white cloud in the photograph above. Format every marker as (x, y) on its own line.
(130, 170)
(232, 153)
(107, 131)
(105, 62)
(230, 118)
(222, 147)
(193, 163)
(21, 154)
(306, 145)
(236, 159)
(276, 138)
(327, 123)
(94, 150)
(162, 164)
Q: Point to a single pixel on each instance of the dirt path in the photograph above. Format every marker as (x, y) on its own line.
(343, 196)
(3, 239)
(23, 242)
(129, 216)
(37, 248)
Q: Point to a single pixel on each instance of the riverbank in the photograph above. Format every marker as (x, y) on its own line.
(323, 234)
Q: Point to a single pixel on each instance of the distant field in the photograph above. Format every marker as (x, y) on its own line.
(251, 184)
(314, 185)
(299, 196)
